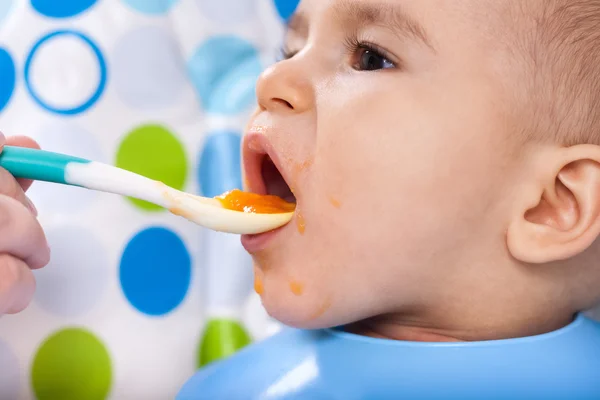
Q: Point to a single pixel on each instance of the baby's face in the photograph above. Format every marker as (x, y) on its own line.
(388, 121)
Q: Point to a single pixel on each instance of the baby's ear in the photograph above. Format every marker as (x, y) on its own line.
(561, 218)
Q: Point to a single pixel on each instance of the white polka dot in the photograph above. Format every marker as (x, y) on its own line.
(148, 69)
(228, 12)
(73, 140)
(257, 321)
(9, 375)
(69, 138)
(6, 7)
(77, 275)
(64, 72)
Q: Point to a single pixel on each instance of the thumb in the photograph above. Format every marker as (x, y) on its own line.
(21, 141)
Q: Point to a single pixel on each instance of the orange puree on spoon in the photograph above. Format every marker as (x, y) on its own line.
(237, 200)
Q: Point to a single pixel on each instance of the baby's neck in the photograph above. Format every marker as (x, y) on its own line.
(396, 328)
(405, 333)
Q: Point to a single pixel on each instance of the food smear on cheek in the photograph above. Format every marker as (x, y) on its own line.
(296, 288)
(335, 202)
(300, 222)
(299, 167)
(237, 200)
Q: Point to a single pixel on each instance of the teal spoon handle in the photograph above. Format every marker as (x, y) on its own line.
(37, 164)
(41, 165)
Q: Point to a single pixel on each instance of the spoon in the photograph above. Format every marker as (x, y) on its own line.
(210, 213)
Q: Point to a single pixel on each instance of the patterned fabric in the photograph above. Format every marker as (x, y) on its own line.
(162, 88)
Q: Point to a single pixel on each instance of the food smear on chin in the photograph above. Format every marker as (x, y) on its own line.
(259, 288)
(296, 288)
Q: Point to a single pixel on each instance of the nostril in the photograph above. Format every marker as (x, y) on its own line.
(283, 103)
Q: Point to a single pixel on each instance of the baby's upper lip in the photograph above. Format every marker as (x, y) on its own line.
(256, 146)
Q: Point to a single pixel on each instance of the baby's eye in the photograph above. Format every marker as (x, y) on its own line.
(285, 53)
(371, 60)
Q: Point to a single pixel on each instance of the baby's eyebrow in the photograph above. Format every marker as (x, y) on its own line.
(357, 15)
(361, 14)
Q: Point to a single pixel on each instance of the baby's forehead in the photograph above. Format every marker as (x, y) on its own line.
(420, 19)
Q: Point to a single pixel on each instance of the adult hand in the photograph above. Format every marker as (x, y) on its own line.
(23, 245)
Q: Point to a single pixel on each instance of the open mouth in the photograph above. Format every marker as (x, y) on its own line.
(274, 182)
(265, 175)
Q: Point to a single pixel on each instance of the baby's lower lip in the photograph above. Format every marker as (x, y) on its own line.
(256, 243)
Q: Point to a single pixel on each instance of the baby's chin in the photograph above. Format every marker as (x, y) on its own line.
(305, 311)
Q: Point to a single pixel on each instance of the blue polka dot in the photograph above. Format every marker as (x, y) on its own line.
(155, 271)
(220, 168)
(93, 98)
(224, 71)
(62, 8)
(5, 8)
(148, 69)
(286, 8)
(8, 74)
(152, 7)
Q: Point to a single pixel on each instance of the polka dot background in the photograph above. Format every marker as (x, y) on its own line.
(162, 88)
(159, 87)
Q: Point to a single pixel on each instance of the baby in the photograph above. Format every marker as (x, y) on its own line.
(445, 161)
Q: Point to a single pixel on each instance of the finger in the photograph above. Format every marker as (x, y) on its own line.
(11, 188)
(23, 141)
(21, 235)
(17, 285)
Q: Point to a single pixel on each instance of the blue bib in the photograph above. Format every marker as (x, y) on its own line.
(335, 365)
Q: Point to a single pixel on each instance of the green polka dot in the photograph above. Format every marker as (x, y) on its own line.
(154, 152)
(221, 339)
(72, 364)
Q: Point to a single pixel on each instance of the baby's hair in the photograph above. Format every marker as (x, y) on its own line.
(564, 46)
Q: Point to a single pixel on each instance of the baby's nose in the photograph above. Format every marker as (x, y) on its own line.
(285, 87)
